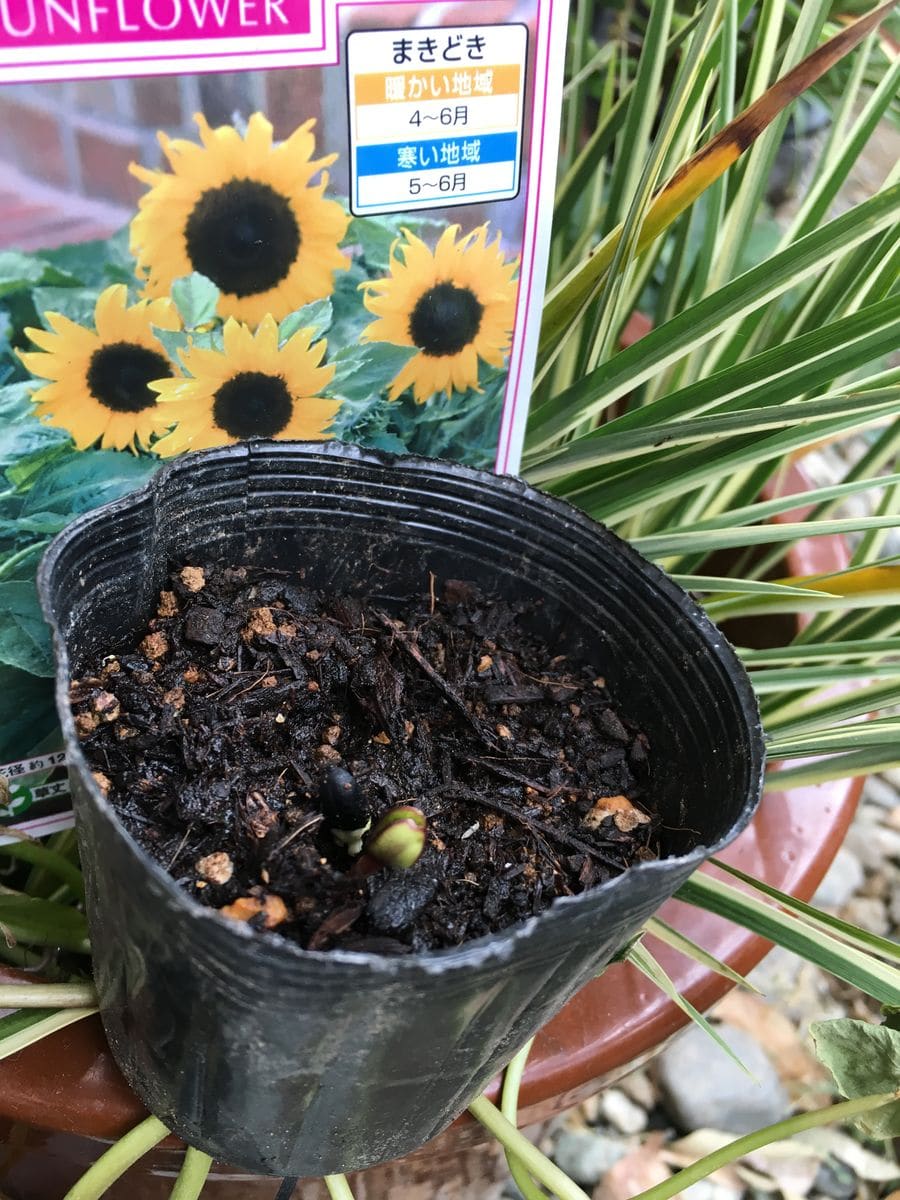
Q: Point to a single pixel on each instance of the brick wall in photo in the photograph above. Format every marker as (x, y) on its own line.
(80, 136)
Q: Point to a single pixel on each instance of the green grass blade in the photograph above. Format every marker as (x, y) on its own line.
(639, 956)
(786, 679)
(689, 948)
(592, 450)
(118, 1158)
(854, 765)
(722, 583)
(707, 540)
(878, 733)
(692, 328)
(863, 939)
(863, 648)
(875, 978)
(37, 1030)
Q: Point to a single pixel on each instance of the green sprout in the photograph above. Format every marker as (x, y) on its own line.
(397, 841)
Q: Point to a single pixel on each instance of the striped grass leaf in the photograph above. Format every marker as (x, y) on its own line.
(690, 329)
(676, 940)
(764, 510)
(708, 540)
(35, 1030)
(829, 652)
(781, 373)
(616, 492)
(836, 169)
(641, 958)
(567, 299)
(756, 167)
(863, 939)
(780, 680)
(884, 732)
(790, 715)
(857, 967)
(591, 451)
(713, 584)
(854, 765)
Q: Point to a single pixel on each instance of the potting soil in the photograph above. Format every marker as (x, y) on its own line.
(218, 732)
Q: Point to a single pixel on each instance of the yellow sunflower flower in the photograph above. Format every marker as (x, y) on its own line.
(457, 305)
(250, 389)
(99, 377)
(242, 212)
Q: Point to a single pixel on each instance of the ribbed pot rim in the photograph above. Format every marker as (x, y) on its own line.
(490, 947)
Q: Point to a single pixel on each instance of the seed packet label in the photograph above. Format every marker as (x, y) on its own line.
(34, 796)
(435, 116)
(223, 220)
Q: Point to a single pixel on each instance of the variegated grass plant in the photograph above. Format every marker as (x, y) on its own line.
(681, 442)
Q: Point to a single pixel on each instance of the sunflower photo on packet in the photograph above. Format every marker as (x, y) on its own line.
(229, 220)
(344, 235)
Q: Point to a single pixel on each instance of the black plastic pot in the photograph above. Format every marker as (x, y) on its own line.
(294, 1062)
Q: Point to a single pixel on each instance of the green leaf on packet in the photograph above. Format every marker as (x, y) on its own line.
(76, 303)
(27, 712)
(196, 298)
(86, 479)
(30, 466)
(176, 340)
(24, 638)
(42, 524)
(864, 1060)
(376, 235)
(364, 372)
(19, 272)
(316, 316)
(96, 263)
(22, 436)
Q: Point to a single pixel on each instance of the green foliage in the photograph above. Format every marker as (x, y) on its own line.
(196, 298)
(863, 1059)
(317, 316)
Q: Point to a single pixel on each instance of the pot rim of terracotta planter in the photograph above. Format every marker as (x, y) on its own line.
(69, 1082)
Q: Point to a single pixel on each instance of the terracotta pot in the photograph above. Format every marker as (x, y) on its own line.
(63, 1099)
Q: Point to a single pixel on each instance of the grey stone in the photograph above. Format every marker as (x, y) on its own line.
(873, 843)
(777, 974)
(706, 1189)
(845, 877)
(586, 1157)
(621, 1112)
(867, 912)
(705, 1089)
(638, 1087)
(881, 792)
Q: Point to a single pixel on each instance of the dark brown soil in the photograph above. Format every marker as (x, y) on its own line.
(214, 735)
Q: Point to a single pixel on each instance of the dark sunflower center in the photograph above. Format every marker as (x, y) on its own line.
(445, 320)
(253, 405)
(118, 374)
(243, 236)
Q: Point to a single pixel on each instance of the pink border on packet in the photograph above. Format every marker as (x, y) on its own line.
(511, 393)
(323, 45)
